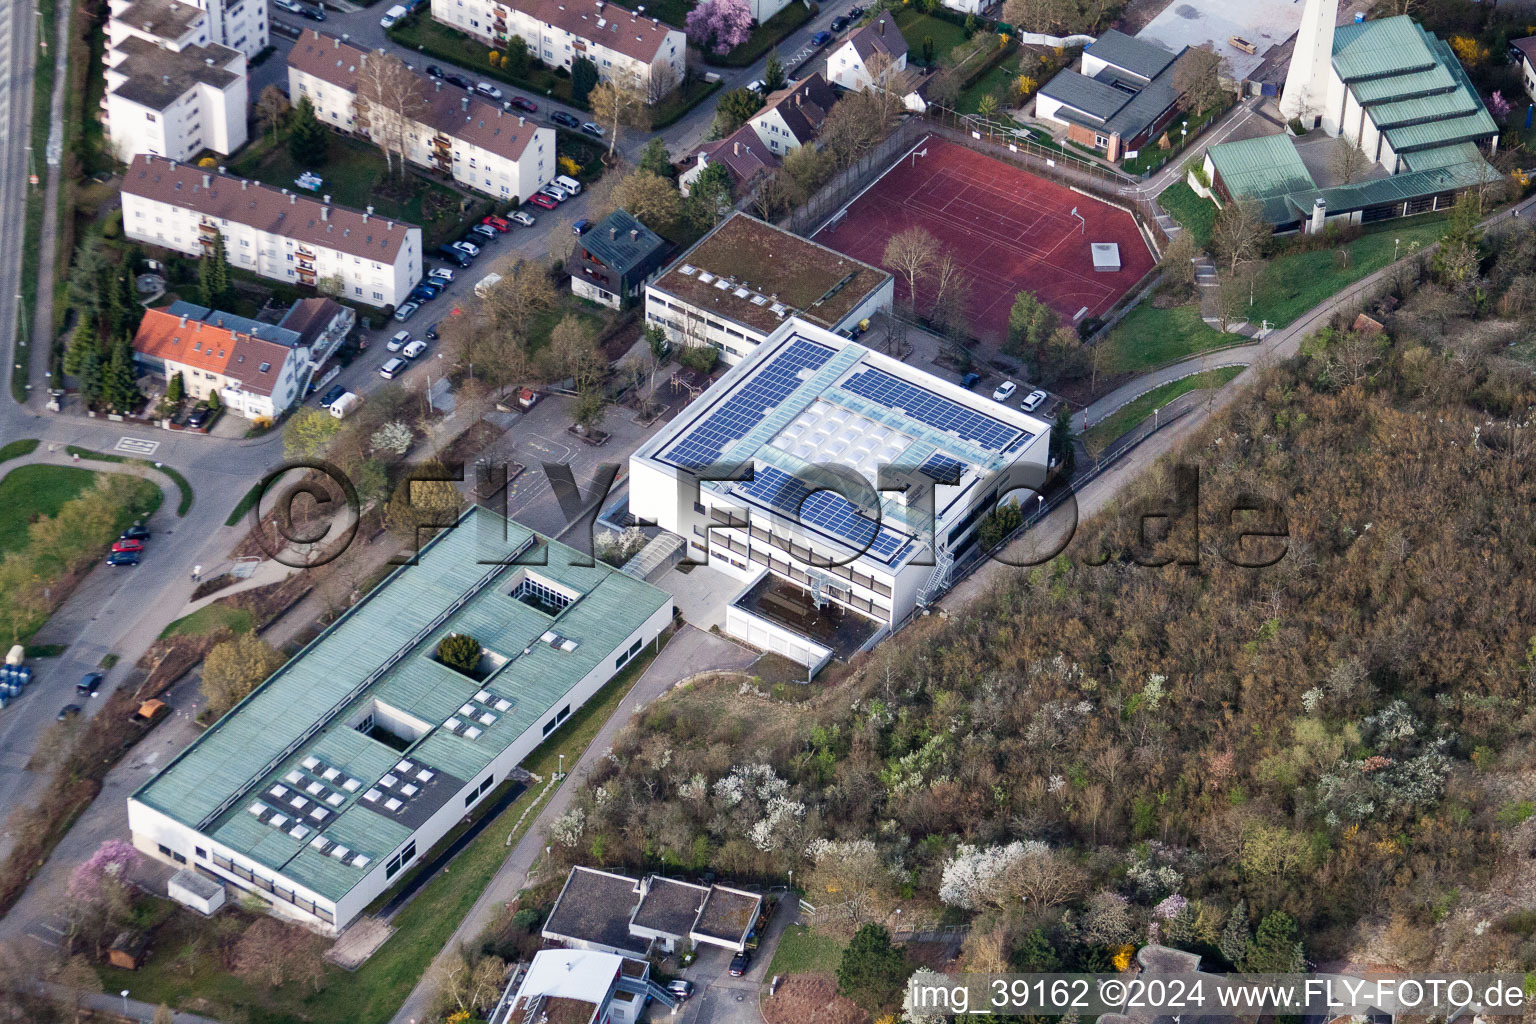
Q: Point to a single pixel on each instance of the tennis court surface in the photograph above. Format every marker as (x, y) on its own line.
(1009, 229)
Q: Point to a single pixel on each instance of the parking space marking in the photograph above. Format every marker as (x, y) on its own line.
(137, 445)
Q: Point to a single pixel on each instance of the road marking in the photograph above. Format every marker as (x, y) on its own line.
(137, 445)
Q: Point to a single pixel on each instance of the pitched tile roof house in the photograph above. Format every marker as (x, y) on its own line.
(849, 64)
(255, 369)
(792, 116)
(742, 153)
(614, 913)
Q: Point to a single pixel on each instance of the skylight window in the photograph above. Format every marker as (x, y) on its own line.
(688, 270)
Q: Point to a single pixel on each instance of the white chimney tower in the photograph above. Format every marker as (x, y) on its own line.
(1306, 81)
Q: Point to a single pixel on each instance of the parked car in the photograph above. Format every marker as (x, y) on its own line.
(821, 38)
(593, 129)
(468, 246)
(120, 558)
(127, 545)
(68, 711)
(443, 274)
(389, 369)
(560, 193)
(970, 380)
(406, 311)
(398, 341)
(485, 231)
(458, 80)
(199, 418)
(1035, 400)
(315, 13)
(392, 16)
(580, 227)
(524, 104)
(568, 183)
(485, 284)
(541, 200)
(431, 334)
(757, 85)
(856, 13)
(487, 89)
(499, 223)
(90, 683)
(138, 531)
(682, 988)
(1004, 391)
(414, 349)
(343, 406)
(457, 256)
(289, 5)
(838, 24)
(433, 71)
(525, 218)
(330, 396)
(740, 962)
(423, 293)
(552, 193)
(569, 120)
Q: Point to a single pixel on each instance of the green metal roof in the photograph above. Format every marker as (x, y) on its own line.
(1443, 156)
(1386, 46)
(1396, 87)
(1395, 189)
(1457, 102)
(1265, 166)
(381, 650)
(1467, 128)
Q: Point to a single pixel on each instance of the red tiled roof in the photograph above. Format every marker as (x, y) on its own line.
(633, 35)
(742, 153)
(803, 105)
(261, 206)
(202, 346)
(880, 34)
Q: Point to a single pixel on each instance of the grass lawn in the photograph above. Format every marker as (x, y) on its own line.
(914, 25)
(419, 32)
(29, 492)
(1149, 337)
(244, 505)
(182, 507)
(355, 175)
(802, 951)
(210, 619)
(998, 78)
(1196, 215)
(16, 449)
(1138, 409)
(372, 993)
(1293, 283)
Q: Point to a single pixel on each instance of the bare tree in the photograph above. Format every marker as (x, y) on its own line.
(390, 103)
(271, 108)
(1198, 77)
(888, 87)
(1239, 234)
(913, 254)
(618, 104)
(1347, 161)
(523, 292)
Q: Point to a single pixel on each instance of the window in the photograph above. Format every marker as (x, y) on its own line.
(405, 856)
(201, 853)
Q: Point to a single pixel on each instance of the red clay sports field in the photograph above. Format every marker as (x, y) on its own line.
(1011, 230)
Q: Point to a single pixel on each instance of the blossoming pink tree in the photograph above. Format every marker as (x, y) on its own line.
(726, 23)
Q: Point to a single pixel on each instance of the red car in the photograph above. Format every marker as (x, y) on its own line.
(499, 223)
(525, 105)
(128, 545)
(543, 201)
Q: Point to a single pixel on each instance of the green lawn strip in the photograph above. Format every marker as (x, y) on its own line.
(42, 104)
(672, 108)
(1150, 337)
(1138, 409)
(419, 32)
(915, 25)
(1293, 283)
(1194, 214)
(372, 993)
(209, 619)
(763, 38)
(999, 77)
(802, 951)
(182, 508)
(31, 492)
(244, 505)
(16, 449)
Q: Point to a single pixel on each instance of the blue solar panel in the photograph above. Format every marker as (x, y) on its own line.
(927, 407)
(736, 417)
(825, 509)
(942, 468)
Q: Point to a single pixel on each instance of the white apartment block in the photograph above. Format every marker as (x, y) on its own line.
(272, 232)
(625, 46)
(480, 144)
(176, 76)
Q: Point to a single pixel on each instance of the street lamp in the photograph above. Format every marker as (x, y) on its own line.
(1395, 243)
(124, 994)
(562, 764)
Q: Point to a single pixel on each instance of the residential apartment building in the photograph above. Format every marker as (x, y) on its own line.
(478, 143)
(866, 51)
(743, 279)
(837, 484)
(274, 233)
(351, 762)
(176, 76)
(624, 45)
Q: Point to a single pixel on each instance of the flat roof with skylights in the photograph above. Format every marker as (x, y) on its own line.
(364, 741)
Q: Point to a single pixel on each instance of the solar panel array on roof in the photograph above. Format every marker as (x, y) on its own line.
(775, 382)
(825, 509)
(942, 468)
(929, 408)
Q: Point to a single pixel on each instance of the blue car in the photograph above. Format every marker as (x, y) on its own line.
(119, 558)
(423, 293)
(821, 38)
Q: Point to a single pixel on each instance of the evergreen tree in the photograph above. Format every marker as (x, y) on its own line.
(1030, 323)
(773, 75)
(82, 340)
(86, 276)
(514, 57)
(1035, 955)
(213, 274)
(928, 51)
(1063, 451)
(872, 970)
(89, 373)
(583, 79)
(176, 388)
(1234, 938)
(654, 158)
(119, 390)
(1275, 949)
(128, 299)
(308, 139)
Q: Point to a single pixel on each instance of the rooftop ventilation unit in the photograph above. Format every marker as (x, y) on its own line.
(688, 270)
(706, 276)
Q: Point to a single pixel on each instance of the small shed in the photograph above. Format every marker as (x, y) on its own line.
(1106, 256)
(128, 950)
(191, 889)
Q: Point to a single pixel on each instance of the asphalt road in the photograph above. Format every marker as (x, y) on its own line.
(17, 54)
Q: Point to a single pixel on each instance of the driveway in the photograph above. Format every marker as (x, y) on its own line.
(719, 998)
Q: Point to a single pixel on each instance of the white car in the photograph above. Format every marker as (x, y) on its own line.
(467, 248)
(1035, 400)
(525, 219)
(758, 86)
(414, 349)
(289, 5)
(399, 341)
(389, 369)
(487, 89)
(442, 274)
(1004, 391)
(393, 16)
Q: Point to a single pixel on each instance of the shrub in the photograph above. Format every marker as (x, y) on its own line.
(459, 651)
